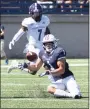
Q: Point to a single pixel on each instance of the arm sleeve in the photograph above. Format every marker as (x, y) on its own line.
(47, 21)
(40, 55)
(2, 27)
(18, 35)
(47, 31)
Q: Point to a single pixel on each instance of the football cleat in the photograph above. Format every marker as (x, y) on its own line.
(78, 97)
(11, 68)
(14, 65)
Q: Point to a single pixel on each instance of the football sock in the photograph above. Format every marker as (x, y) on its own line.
(26, 70)
(6, 61)
(62, 93)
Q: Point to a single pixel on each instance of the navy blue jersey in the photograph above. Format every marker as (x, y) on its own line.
(50, 60)
(1, 28)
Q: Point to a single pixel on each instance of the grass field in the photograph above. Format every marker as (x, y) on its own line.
(22, 90)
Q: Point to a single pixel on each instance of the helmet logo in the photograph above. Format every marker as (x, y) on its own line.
(35, 10)
(47, 37)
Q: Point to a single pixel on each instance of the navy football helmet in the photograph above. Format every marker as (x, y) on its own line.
(35, 10)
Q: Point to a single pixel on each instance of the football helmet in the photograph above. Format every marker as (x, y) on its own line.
(35, 10)
(49, 43)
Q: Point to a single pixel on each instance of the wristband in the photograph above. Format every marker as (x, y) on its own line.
(25, 65)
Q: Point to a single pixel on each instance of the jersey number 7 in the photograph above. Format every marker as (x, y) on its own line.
(40, 31)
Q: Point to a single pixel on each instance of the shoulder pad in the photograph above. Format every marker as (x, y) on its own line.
(41, 53)
(46, 20)
(60, 52)
(27, 21)
(59, 49)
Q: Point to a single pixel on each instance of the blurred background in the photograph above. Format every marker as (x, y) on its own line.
(69, 23)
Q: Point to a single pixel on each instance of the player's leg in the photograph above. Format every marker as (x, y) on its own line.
(22, 66)
(58, 90)
(72, 87)
(16, 65)
(2, 49)
(3, 54)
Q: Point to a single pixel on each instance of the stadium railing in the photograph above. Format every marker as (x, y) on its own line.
(21, 7)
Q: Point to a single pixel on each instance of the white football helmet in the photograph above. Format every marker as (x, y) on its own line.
(49, 42)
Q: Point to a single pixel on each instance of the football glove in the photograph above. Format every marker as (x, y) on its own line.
(11, 44)
(45, 73)
(22, 66)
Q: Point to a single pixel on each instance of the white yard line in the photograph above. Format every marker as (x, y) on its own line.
(44, 99)
(18, 73)
(12, 84)
(27, 76)
(20, 90)
(78, 64)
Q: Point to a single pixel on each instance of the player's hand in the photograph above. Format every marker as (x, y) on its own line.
(47, 72)
(11, 44)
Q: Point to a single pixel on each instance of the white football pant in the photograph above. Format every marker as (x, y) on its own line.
(3, 54)
(68, 87)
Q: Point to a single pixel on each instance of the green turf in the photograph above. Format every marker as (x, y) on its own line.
(22, 90)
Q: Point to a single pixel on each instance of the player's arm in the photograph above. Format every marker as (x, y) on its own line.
(36, 66)
(61, 68)
(47, 31)
(2, 32)
(21, 31)
(61, 60)
(17, 36)
(24, 28)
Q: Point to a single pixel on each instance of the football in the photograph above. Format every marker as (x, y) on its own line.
(31, 56)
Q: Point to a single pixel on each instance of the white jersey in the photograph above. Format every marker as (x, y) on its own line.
(36, 30)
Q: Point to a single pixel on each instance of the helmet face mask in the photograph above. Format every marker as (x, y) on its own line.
(35, 10)
(37, 16)
(49, 43)
(49, 46)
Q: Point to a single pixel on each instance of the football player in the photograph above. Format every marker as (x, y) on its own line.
(63, 83)
(3, 54)
(36, 26)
